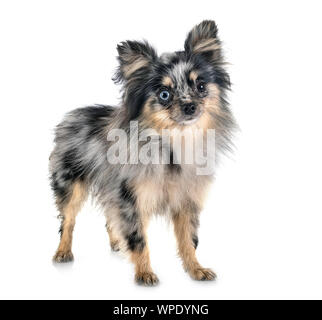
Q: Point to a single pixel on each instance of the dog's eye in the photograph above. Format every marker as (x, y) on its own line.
(164, 95)
(201, 86)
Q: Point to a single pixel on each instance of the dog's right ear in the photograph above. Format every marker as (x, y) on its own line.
(134, 57)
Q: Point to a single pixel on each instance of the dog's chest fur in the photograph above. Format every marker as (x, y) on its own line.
(171, 189)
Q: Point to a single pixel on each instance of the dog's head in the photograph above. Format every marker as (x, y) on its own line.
(177, 89)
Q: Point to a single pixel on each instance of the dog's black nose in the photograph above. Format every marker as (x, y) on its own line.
(189, 109)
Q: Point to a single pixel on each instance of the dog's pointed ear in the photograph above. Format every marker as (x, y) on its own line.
(203, 38)
(134, 57)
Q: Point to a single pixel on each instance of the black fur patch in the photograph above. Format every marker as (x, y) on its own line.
(195, 241)
(135, 241)
(126, 193)
(174, 167)
(72, 165)
(97, 118)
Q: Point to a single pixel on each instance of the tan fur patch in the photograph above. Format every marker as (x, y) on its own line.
(114, 241)
(141, 260)
(211, 108)
(69, 213)
(178, 193)
(134, 66)
(167, 82)
(206, 45)
(183, 231)
(158, 120)
(193, 76)
(143, 271)
(149, 197)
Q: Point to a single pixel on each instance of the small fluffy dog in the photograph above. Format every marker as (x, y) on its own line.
(184, 89)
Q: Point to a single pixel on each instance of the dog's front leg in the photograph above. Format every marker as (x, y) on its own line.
(185, 228)
(134, 223)
(139, 253)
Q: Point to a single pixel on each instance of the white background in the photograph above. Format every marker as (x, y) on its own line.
(261, 229)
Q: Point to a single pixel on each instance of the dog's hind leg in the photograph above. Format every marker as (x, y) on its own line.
(69, 208)
(114, 239)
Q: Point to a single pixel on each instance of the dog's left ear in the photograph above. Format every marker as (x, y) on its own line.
(134, 57)
(203, 39)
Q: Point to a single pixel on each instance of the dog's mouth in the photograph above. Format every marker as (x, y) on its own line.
(187, 121)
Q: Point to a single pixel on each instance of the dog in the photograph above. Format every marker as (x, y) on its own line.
(181, 90)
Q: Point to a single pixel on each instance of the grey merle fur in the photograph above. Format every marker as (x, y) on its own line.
(81, 145)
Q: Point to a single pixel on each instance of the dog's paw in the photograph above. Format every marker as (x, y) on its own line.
(63, 257)
(202, 274)
(146, 279)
